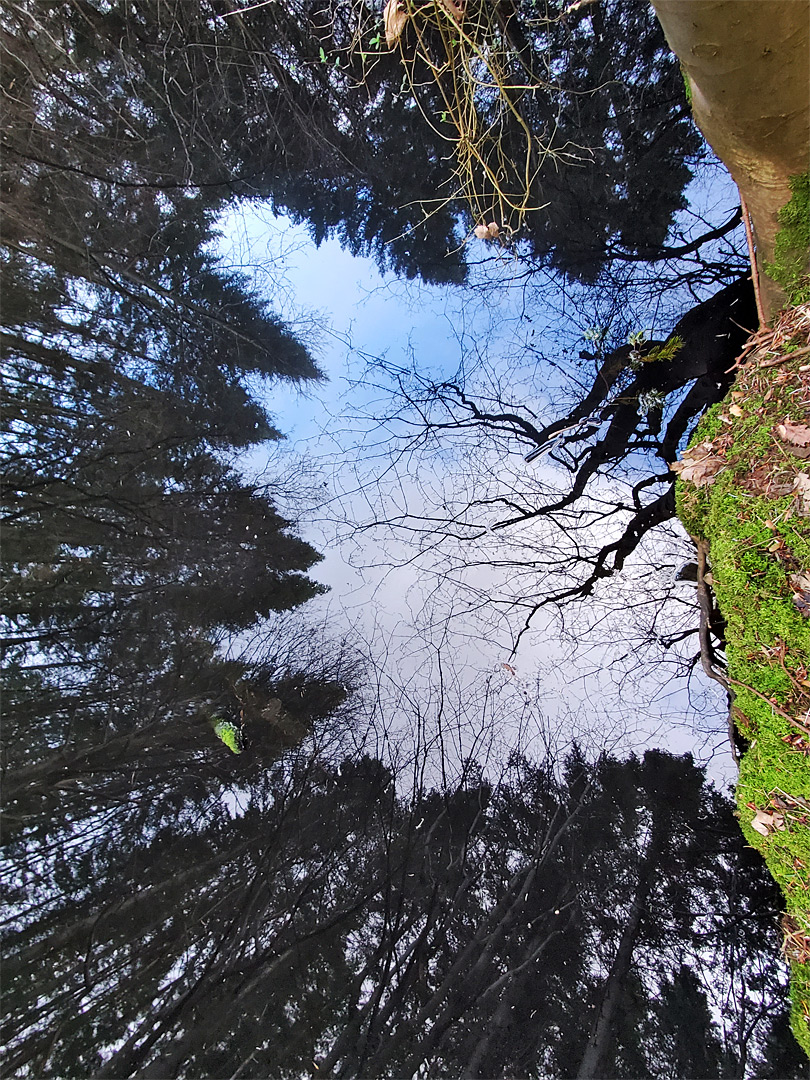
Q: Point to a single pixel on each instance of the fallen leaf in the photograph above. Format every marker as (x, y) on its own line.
(735, 410)
(801, 486)
(767, 821)
(796, 741)
(454, 10)
(796, 436)
(800, 583)
(699, 465)
(394, 19)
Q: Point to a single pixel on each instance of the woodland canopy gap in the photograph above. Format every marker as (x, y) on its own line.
(218, 861)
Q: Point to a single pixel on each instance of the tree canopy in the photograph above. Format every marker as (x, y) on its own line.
(306, 108)
(135, 549)
(199, 882)
(566, 918)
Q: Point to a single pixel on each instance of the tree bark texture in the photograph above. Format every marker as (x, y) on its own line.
(748, 66)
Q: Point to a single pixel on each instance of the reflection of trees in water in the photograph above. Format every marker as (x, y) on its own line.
(180, 909)
(135, 553)
(561, 912)
(642, 402)
(133, 550)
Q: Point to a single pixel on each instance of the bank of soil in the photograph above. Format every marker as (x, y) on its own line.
(744, 493)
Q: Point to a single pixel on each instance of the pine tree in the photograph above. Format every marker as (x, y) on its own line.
(298, 107)
(333, 921)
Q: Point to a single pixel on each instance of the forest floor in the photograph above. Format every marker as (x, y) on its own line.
(744, 496)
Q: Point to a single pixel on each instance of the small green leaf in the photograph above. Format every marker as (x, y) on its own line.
(229, 734)
(323, 55)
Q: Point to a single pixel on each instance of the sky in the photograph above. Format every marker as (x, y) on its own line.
(451, 684)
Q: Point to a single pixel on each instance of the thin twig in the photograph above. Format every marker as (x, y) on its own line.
(576, 6)
(749, 236)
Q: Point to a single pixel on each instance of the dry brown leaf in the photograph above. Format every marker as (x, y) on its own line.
(699, 465)
(794, 432)
(394, 19)
(796, 436)
(800, 582)
(801, 486)
(767, 821)
(797, 742)
(454, 10)
(735, 410)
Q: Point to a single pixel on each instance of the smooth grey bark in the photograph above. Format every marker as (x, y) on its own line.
(748, 66)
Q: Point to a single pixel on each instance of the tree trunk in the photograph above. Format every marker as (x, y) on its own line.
(594, 1059)
(747, 65)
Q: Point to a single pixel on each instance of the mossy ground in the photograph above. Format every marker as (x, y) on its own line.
(757, 522)
(791, 267)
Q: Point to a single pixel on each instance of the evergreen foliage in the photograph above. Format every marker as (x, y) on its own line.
(304, 108)
(332, 922)
(133, 548)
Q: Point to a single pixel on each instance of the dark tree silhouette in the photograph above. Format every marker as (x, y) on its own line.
(332, 922)
(302, 106)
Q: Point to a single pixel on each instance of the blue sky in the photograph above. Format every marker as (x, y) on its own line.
(572, 676)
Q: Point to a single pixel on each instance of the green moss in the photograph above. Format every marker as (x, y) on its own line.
(756, 543)
(791, 266)
(800, 1005)
(687, 86)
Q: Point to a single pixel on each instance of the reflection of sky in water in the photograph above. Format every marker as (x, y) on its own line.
(583, 674)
